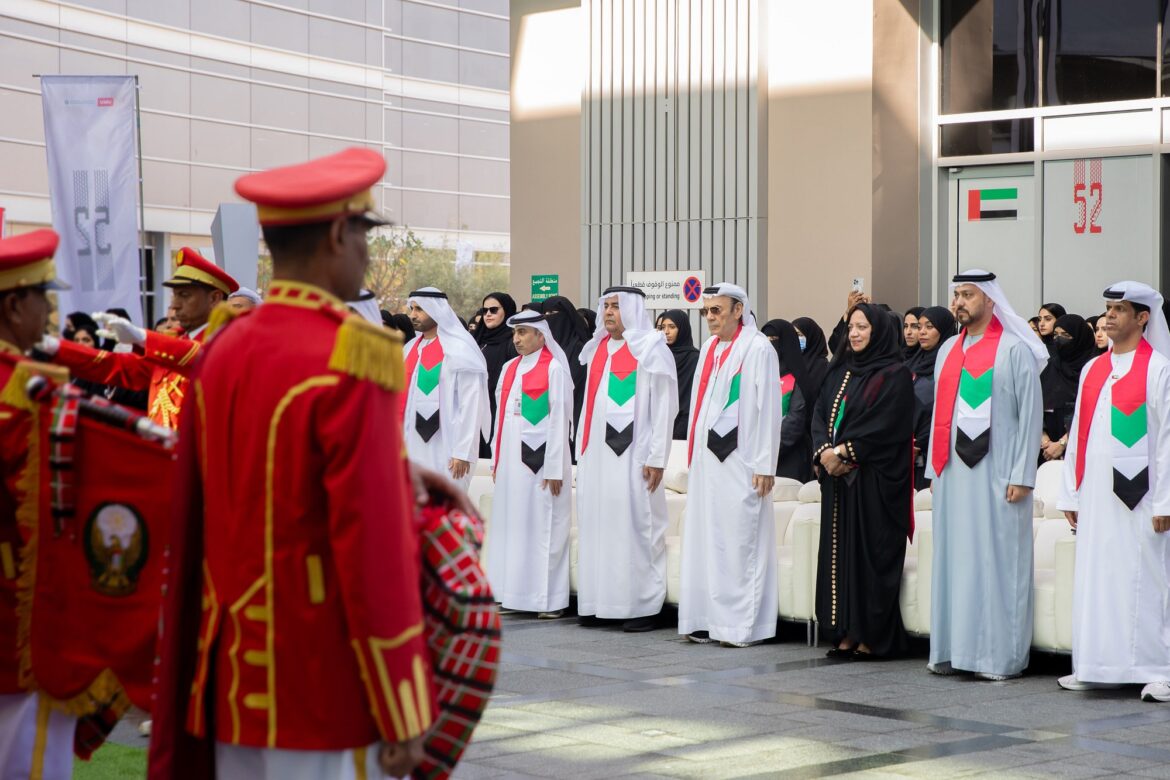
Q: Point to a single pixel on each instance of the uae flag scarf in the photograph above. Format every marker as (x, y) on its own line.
(787, 383)
(1129, 439)
(534, 408)
(621, 386)
(423, 368)
(964, 400)
(723, 437)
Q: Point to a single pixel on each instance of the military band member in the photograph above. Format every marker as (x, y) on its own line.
(198, 287)
(36, 739)
(309, 660)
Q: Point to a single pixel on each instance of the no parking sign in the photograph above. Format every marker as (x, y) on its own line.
(669, 289)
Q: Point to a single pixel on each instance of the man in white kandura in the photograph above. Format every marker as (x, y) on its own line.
(528, 548)
(631, 400)
(1116, 494)
(728, 577)
(446, 407)
(983, 443)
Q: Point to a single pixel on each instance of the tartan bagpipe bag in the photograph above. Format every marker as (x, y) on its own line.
(462, 627)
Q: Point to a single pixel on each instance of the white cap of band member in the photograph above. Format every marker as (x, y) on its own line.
(247, 294)
(459, 346)
(639, 333)
(366, 306)
(1011, 322)
(537, 321)
(1157, 332)
(735, 292)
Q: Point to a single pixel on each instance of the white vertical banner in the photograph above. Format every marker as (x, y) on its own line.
(93, 186)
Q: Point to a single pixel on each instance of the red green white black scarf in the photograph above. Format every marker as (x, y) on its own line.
(621, 387)
(1129, 426)
(964, 400)
(723, 437)
(424, 365)
(534, 408)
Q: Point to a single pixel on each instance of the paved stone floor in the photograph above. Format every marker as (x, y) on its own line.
(573, 702)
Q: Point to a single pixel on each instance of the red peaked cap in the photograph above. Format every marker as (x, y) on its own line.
(316, 191)
(27, 261)
(193, 268)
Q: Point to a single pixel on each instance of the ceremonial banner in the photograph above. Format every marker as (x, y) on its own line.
(92, 574)
(91, 143)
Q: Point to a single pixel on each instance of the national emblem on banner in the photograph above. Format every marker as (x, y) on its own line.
(92, 569)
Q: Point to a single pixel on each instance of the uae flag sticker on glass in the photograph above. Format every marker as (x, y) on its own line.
(991, 204)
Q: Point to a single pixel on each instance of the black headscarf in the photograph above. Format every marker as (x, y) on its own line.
(1092, 323)
(79, 320)
(882, 349)
(590, 318)
(922, 364)
(816, 351)
(1060, 378)
(787, 345)
(908, 352)
(686, 360)
(1057, 311)
(400, 323)
(569, 329)
(485, 336)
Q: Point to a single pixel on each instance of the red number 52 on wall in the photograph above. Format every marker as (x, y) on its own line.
(1084, 192)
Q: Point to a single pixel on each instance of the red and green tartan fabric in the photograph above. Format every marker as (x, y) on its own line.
(462, 631)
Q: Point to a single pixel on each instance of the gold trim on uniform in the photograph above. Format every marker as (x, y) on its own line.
(355, 204)
(312, 383)
(316, 575)
(39, 272)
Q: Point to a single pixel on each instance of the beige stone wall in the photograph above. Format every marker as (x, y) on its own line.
(545, 154)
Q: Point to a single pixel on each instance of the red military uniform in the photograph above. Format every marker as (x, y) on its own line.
(311, 629)
(312, 617)
(167, 361)
(25, 261)
(162, 370)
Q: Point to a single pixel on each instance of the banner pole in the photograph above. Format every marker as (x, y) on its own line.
(147, 301)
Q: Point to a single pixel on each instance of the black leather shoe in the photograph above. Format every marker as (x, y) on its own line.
(838, 652)
(639, 625)
(589, 621)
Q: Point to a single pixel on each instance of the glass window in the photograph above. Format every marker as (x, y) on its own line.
(989, 54)
(482, 32)
(1097, 51)
(483, 70)
(999, 137)
(424, 61)
(429, 23)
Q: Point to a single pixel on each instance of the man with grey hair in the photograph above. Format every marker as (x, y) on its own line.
(631, 400)
(729, 539)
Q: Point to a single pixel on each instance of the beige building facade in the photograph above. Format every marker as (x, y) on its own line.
(231, 86)
(891, 140)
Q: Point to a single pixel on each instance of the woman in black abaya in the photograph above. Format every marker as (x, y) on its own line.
(571, 333)
(935, 326)
(676, 327)
(862, 431)
(1073, 345)
(815, 350)
(495, 342)
(795, 460)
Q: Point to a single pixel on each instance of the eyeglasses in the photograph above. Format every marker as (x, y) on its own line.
(716, 310)
(491, 309)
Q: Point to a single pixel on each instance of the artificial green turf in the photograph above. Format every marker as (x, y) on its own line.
(112, 762)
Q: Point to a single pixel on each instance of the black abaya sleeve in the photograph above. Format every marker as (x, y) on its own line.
(878, 428)
(838, 336)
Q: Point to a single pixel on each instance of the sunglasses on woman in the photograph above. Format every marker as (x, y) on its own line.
(491, 309)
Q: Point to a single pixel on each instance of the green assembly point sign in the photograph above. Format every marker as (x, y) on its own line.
(545, 286)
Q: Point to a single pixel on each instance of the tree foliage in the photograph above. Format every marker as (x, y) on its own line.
(400, 263)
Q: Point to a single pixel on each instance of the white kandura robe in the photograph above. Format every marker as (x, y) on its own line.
(981, 590)
(621, 527)
(462, 397)
(728, 574)
(528, 552)
(36, 738)
(1121, 587)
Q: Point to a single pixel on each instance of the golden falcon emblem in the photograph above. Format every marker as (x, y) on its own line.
(116, 547)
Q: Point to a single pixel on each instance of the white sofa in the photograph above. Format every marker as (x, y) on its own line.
(797, 515)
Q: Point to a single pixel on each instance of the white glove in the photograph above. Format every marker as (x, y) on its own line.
(119, 328)
(49, 345)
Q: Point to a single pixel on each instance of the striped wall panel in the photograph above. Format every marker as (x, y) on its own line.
(674, 141)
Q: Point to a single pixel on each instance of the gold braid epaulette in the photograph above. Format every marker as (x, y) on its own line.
(221, 315)
(15, 391)
(370, 352)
